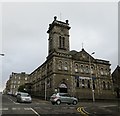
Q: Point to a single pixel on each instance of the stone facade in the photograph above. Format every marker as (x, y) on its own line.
(77, 73)
(116, 81)
(16, 80)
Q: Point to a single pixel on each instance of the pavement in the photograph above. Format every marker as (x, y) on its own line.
(102, 109)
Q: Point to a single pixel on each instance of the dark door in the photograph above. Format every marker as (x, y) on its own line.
(63, 90)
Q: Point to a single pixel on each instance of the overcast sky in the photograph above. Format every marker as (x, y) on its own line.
(25, 41)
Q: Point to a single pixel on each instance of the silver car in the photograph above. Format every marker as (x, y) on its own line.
(23, 97)
(59, 98)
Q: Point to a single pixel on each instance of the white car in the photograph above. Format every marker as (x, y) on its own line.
(23, 97)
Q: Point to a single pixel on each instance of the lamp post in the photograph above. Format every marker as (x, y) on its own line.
(1, 70)
(93, 97)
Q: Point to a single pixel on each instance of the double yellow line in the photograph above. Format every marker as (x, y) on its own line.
(82, 111)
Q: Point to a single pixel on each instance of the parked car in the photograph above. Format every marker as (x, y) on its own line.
(59, 98)
(9, 93)
(23, 97)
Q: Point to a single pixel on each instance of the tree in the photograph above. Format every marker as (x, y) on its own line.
(22, 88)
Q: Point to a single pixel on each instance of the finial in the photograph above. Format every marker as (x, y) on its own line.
(55, 18)
(67, 21)
(49, 25)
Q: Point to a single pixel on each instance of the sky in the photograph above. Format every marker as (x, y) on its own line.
(24, 32)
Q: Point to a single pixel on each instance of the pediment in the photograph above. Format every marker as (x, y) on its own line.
(83, 55)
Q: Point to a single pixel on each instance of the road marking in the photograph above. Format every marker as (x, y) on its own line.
(1, 109)
(12, 100)
(16, 108)
(85, 111)
(82, 111)
(109, 106)
(27, 108)
(35, 112)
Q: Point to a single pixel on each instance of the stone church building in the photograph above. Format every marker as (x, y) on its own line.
(77, 73)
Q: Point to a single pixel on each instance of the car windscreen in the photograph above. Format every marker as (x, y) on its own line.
(25, 94)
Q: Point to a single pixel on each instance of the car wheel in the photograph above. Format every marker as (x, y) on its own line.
(58, 102)
(53, 103)
(74, 102)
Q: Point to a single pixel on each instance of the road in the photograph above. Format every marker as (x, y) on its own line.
(44, 108)
(11, 107)
(36, 108)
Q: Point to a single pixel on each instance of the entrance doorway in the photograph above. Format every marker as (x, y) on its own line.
(63, 88)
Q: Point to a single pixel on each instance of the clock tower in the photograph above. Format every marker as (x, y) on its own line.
(58, 36)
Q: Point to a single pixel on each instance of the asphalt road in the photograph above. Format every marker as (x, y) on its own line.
(11, 107)
(44, 108)
(37, 108)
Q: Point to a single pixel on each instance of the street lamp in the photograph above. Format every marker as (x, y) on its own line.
(93, 97)
(1, 70)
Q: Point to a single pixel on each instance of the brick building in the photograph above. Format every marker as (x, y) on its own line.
(65, 70)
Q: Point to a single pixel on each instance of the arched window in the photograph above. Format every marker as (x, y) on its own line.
(81, 69)
(101, 71)
(108, 85)
(93, 84)
(104, 86)
(106, 71)
(87, 69)
(88, 84)
(92, 69)
(66, 66)
(77, 83)
(83, 83)
(61, 42)
(60, 65)
(76, 67)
